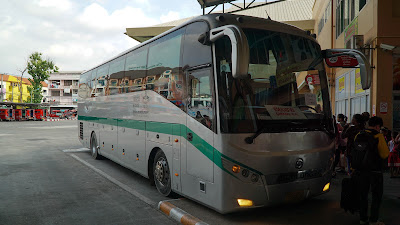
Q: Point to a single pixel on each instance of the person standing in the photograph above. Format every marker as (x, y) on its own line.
(368, 169)
(366, 116)
(341, 120)
(350, 132)
(394, 159)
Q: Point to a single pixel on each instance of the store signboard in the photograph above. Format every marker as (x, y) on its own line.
(358, 87)
(351, 30)
(341, 84)
(313, 79)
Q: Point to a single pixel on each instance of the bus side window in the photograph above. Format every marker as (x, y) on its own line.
(194, 52)
(164, 74)
(116, 72)
(135, 71)
(200, 101)
(101, 80)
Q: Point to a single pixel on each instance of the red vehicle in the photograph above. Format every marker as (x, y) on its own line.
(29, 114)
(39, 114)
(7, 114)
(18, 114)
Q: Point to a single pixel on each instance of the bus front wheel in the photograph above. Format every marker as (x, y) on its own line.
(162, 174)
(93, 147)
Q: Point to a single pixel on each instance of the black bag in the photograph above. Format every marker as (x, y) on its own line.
(349, 200)
(363, 151)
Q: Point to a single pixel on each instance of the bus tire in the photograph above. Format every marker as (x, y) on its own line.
(162, 174)
(93, 147)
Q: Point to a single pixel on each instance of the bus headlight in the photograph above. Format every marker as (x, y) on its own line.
(326, 187)
(245, 202)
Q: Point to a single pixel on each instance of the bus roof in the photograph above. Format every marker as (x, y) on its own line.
(220, 19)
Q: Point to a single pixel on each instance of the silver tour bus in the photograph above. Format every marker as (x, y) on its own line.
(230, 111)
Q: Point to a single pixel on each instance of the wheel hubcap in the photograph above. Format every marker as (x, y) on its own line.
(161, 171)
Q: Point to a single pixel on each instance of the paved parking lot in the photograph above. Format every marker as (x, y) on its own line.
(48, 178)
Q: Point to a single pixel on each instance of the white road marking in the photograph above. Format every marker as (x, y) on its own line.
(116, 182)
(54, 127)
(76, 150)
(4, 134)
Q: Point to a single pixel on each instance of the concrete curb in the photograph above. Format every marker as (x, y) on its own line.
(178, 214)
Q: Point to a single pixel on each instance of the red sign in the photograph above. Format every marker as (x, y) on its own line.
(342, 61)
(313, 78)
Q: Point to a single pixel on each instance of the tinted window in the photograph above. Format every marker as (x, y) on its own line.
(101, 80)
(164, 74)
(195, 53)
(84, 85)
(135, 71)
(116, 72)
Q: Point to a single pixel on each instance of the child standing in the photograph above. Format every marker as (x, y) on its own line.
(394, 159)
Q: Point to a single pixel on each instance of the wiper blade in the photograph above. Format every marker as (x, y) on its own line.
(250, 140)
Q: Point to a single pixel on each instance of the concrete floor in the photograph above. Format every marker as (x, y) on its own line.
(46, 178)
(40, 184)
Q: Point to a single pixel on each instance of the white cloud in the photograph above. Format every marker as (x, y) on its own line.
(170, 17)
(95, 16)
(57, 4)
(76, 35)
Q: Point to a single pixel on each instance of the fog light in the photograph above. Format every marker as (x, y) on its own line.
(254, 177)
(245, 173)
(326, 187)
(245, 202)
(235, 168)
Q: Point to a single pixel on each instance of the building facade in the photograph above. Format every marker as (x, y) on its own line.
(370, 26)
(10, 89)
(63, 88)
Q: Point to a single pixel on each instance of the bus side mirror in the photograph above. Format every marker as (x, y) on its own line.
(350, 58)
(240, 48)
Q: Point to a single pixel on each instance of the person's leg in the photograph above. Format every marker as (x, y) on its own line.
(363, 180)
(377, 192)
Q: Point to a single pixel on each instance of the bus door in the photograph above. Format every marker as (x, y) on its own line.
(200, 125)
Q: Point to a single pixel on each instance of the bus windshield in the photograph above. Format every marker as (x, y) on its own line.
(286, 89)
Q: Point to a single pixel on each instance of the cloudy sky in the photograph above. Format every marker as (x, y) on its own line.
(78, 34)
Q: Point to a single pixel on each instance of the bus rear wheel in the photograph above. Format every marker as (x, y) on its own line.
(162, 174)
(93, 147)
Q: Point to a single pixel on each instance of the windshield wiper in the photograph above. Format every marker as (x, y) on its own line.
(249, 140)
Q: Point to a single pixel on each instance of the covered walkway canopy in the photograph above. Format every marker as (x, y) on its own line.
(295, 12)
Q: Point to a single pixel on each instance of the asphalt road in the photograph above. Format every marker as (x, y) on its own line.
(41, 184)
(47, 178)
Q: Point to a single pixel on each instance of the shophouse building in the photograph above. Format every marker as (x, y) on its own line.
(63, 89)
(371, 26)
(10, 89)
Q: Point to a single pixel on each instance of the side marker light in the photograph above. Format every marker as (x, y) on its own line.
(235, 168)
(326, 187)
(245, 202)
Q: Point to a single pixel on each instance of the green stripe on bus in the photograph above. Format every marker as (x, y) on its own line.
(173, 129)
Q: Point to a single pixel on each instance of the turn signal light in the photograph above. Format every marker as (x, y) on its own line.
(235, 168)
(245, 202)
(176, 140)
(326, 187)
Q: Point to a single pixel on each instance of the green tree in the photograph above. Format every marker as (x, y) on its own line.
(40, 71)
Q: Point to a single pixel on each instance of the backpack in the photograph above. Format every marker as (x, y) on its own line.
(364, 151)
